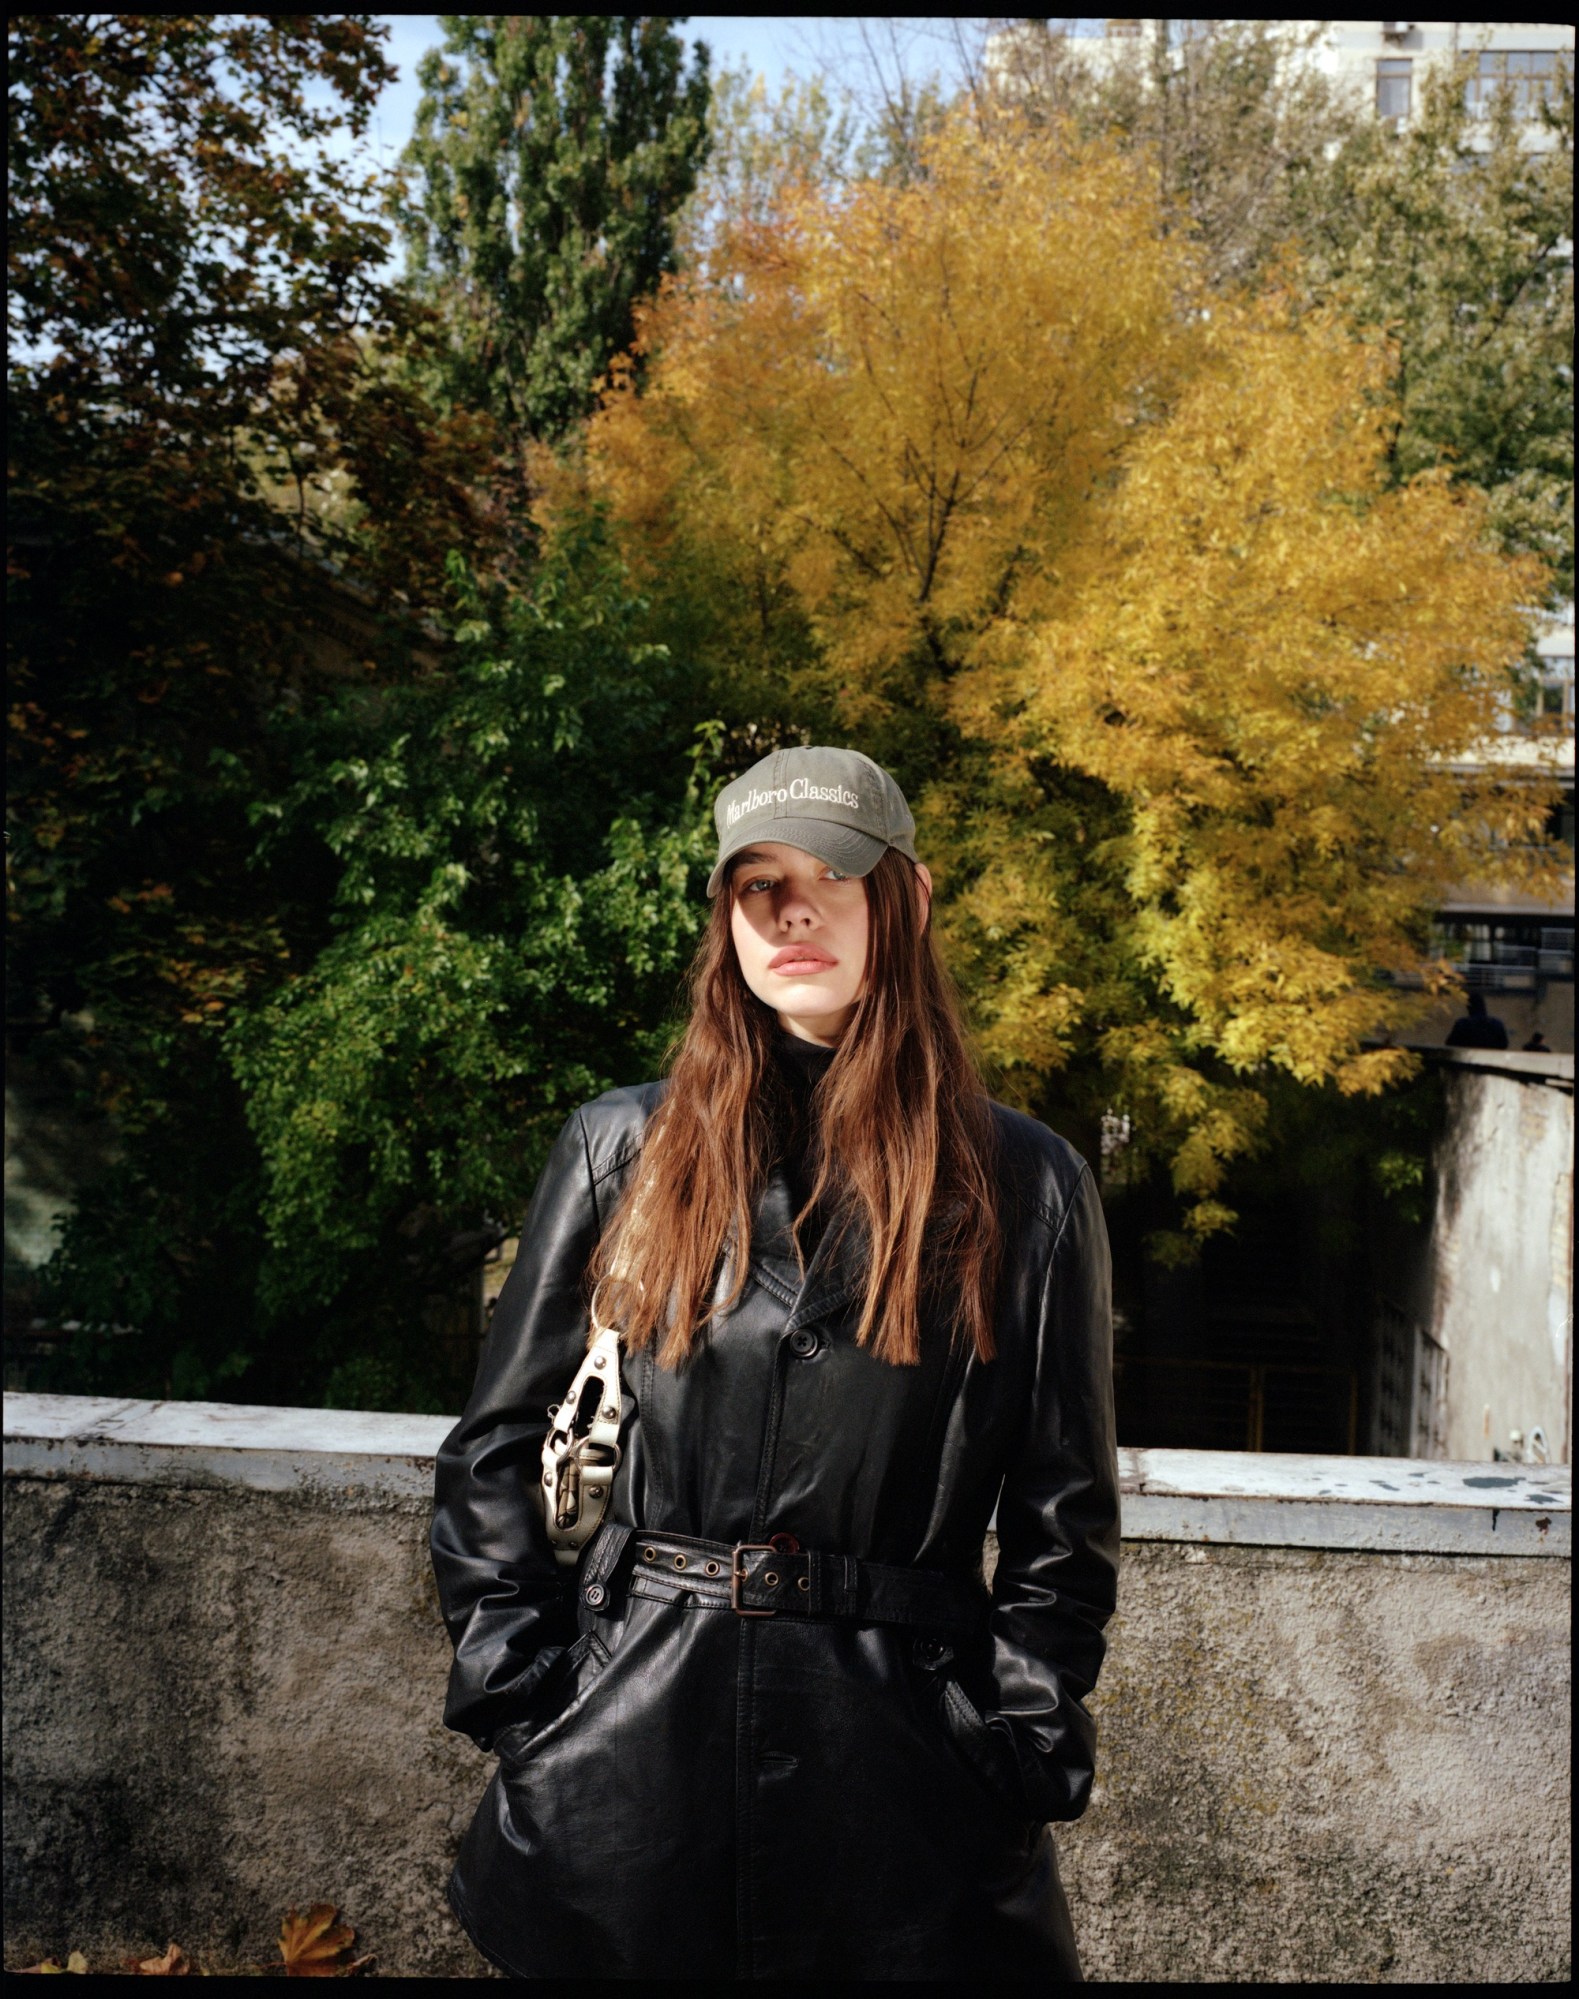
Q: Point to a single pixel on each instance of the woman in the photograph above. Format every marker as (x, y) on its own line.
(772, 1725)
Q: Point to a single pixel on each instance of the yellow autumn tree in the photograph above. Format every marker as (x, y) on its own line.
(976, 474)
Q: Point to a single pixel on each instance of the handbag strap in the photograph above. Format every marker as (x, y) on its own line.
(581, 1452)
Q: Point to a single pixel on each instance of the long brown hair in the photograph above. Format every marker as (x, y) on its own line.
(905, 1156)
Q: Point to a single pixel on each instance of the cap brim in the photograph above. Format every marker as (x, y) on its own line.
(841, 847)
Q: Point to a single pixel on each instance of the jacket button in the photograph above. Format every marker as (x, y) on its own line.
(804, 1344)
(595, 1594)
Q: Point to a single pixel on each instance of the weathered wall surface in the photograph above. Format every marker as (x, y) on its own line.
(1329, 1765)
(1501, 1259)
(218, 1704)
(223, 1679)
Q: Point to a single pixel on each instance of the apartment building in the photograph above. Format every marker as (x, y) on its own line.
(1517, 951)
(1383, 59)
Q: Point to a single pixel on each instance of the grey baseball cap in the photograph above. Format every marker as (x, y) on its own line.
(834, 804)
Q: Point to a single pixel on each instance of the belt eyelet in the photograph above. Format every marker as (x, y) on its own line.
(710, 1568)
(803, 1582)
(771, 1580)
(679, 1561)
(649, 1554)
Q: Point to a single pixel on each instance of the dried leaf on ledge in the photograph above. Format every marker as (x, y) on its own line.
(316, 1945)
(174, 1964)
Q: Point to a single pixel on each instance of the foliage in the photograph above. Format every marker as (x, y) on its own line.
(757, 145)
(551, 154)
(164, 258)
(194, 293)
(1025, 453)
(1451, 231)
(194, 297)
(514, 854)
(1232, 121)
(761, 146)
(514, 904)
(1456, 234)
(1111, 571)
(292, 928)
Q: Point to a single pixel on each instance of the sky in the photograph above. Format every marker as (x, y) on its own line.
(842, 45)
(770, 45)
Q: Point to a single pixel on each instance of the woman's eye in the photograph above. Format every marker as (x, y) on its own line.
(755, 882)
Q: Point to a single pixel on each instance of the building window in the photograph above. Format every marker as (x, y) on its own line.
(1392, 87)
(1557, 685)
(1530, 74)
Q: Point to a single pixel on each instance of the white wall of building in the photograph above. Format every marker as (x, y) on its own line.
(1383, 59)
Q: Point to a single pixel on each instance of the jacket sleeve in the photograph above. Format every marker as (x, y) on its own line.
(504, 1598)
(1058, 1527)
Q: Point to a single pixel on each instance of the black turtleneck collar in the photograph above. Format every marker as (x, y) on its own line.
(803, 1062)
(802, 1066)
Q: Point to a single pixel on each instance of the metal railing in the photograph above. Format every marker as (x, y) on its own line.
(1498, 967)
(1236, 1405)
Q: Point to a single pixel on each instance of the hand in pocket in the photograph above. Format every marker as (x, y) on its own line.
(544, 1702)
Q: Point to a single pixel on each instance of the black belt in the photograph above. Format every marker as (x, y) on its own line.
(774, 1578)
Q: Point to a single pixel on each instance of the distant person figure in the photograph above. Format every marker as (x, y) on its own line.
(1537, 1045)
(1476, 1028)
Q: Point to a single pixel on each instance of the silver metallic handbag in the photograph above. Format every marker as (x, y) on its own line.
(581, 1452)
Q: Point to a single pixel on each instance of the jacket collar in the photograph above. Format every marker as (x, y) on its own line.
(832, 1275)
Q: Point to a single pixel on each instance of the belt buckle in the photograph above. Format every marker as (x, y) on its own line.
(737, 1575)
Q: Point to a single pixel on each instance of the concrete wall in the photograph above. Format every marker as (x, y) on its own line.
(1503, 1243)
(1491, 1279)
(1334, 1720)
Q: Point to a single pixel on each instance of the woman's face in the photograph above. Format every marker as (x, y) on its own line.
(800, 931)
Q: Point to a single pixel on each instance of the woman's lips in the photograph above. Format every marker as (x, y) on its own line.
(800, 958)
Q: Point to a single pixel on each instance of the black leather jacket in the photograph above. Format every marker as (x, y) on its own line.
(685, 1793)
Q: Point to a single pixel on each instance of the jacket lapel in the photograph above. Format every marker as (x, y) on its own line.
(772, 1245)
(831, 1277)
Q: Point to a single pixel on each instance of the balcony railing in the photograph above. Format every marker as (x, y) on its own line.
(1516, 968)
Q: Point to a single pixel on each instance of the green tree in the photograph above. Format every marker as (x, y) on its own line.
(1455, 233)
(521, 844)
(515, 848)
(552, 155)
(195, 309)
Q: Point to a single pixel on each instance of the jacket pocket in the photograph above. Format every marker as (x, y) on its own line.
(985, 1752)
(565, 1685)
